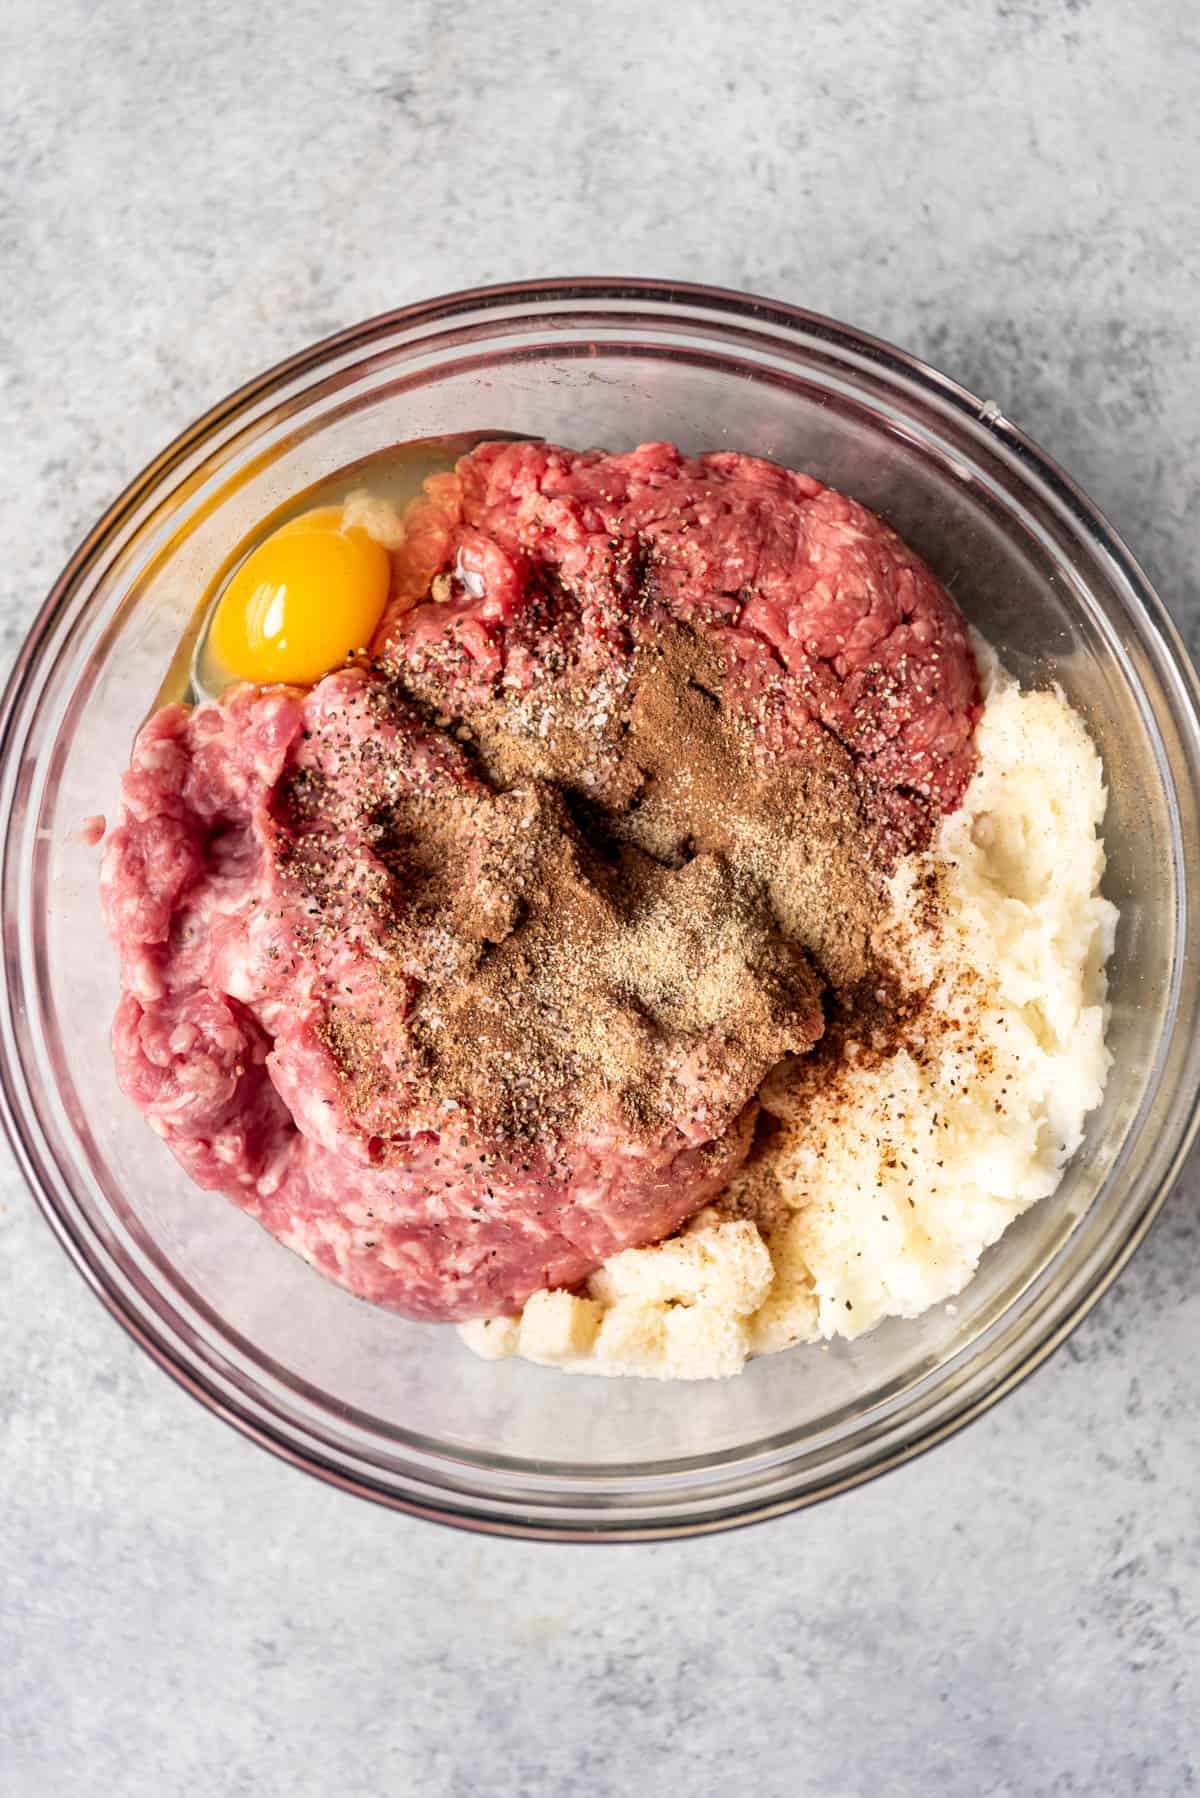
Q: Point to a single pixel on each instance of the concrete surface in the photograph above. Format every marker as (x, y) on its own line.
(189, 193)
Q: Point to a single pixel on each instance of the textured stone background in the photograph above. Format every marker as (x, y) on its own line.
(187, 194)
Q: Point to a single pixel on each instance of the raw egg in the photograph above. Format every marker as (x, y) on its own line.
(304, 600)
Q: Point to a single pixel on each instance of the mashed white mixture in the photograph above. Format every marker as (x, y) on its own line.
(884, 1186)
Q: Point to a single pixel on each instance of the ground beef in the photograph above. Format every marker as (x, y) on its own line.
(292, 958)
(554, 563)
(442, 971)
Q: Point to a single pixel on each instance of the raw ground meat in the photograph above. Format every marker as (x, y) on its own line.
(278, 982)
(301, 886)
(822, 616)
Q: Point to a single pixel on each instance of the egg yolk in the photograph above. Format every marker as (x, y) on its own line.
(304, 600)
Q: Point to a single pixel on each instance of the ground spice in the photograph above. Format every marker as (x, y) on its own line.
(626, 904)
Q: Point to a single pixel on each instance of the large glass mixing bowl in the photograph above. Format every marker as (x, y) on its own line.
(402, 1412)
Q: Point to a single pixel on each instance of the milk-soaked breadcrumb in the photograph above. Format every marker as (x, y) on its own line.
(681, 1310)
(885, 1184)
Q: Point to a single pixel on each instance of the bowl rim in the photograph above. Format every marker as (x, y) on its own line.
(663, 294)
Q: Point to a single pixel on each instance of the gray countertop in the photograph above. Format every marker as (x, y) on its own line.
(186, 194)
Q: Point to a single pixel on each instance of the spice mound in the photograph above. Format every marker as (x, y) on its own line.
(462, 971)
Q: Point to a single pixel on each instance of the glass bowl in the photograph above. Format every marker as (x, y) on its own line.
(402, 1412)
